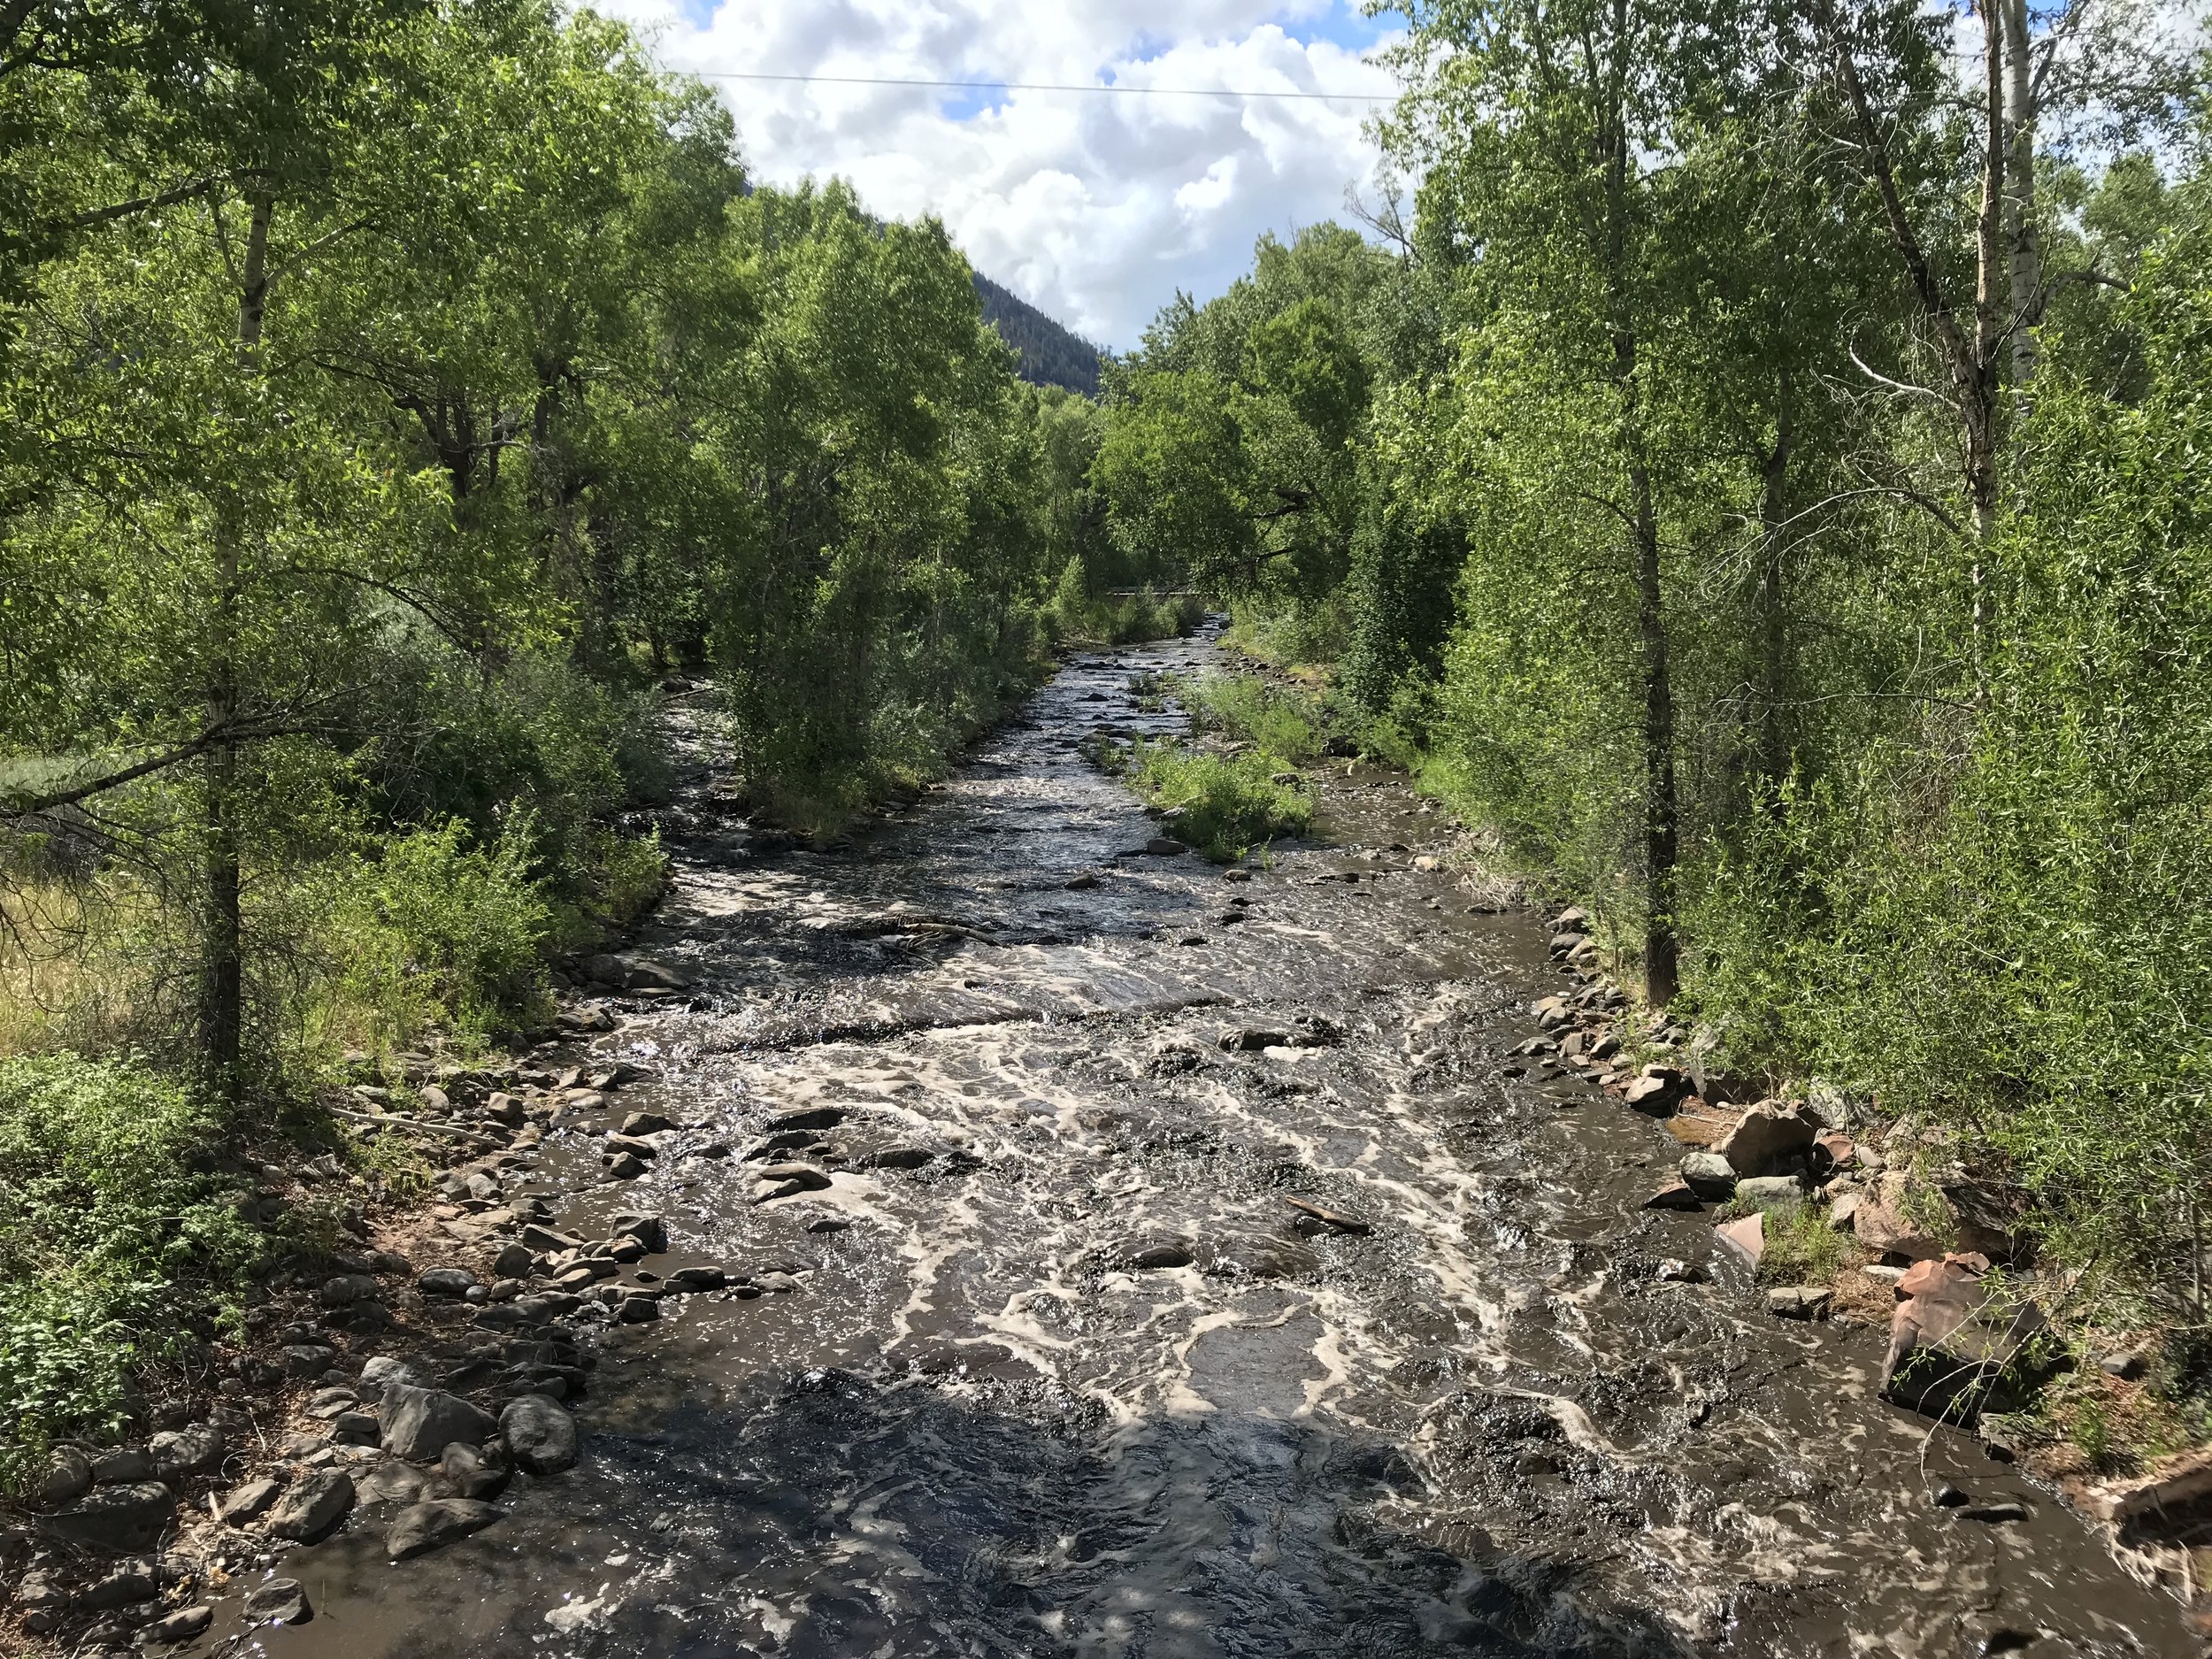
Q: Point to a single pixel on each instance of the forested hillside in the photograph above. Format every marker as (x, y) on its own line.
(1760, 477)
(1050, 354)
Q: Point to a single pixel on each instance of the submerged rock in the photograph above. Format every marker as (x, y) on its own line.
(279, 1601)
(423, 1527)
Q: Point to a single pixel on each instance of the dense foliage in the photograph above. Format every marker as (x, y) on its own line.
(1761, 478)
(391, 396)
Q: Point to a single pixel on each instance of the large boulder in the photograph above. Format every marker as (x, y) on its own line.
(249, 1501)
(187, 1451)
(539, 1435)
(423, 1527)
(420, 1423)
(1766, 1139)
(316, 1503)
(1709, 1175)
(1923, 1220)
(121, 1518)
(1958, 1341)
(67, 1476)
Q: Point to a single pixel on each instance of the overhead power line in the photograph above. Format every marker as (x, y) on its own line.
(1041, 86)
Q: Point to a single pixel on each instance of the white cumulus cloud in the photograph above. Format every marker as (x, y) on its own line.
(1096, 207)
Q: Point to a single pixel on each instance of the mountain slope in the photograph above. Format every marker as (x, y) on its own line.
(1050, 354)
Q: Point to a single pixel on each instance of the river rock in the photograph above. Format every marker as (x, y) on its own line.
(1770, 1192)
(1765, 1137)
(316, 1503)
(634, 1145)
(342, 1289)
(1799, 1302)
(539, 1435)
(902, 1156)
(1709, 1175)
(420, 1423)
(381, 1371)
(782, 1180)
(1924, 1222)
(638, 1310)
(67, 1478)
(627, 1166)
(446, 1281)
(1746, 1238)
(121, 1466)
(124, 1585)
(121, 1518)
(1319, 1218)
(353, 1428)
(423, 1527)
(1956, 1339)
(645, 1124)
(1675, 1194)
(1252, 1038)
(249, 1500)
(279, 1601)
(650, 1230)
(690, 1280)
(465, 1472)
(172, 1629)
(1150, 1255)
(390, 1482)
(807, 1117)
(187, 1451)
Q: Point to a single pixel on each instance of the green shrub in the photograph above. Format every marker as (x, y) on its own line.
(1801, 1247)
(113, 1238)
(1244, 706)
(438, 928)
(1223, 807)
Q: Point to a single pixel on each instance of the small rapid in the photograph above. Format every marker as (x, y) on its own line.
(1065, 1371)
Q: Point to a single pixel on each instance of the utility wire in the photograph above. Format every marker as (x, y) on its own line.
(1036, 86)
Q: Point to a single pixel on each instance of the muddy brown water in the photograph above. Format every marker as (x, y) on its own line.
(1485, 1427)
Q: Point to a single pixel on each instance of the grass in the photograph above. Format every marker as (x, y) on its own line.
(1122, 619)
(1223, 806)
(1282, 723)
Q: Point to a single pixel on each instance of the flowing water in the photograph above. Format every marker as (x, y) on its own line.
(981, 1427)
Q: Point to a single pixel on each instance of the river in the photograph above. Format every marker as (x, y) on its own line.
(996, 1417)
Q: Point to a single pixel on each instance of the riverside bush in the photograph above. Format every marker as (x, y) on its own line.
(1223, 806)
(116, 1241)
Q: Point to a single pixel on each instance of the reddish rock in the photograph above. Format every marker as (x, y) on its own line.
(1748, 1237)
(1676, 1195)
(1937, 1220)
(1956, 1338)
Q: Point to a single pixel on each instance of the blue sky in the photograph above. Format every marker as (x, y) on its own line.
(1097, 208)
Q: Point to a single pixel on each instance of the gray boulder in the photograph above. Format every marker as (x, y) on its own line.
(1770, 1192)
(246, 1502)
(67, 1478)
(187, 1451)
(121, 1518)
(1709, 1175)
(174, 1629)
(423, 1527)
(539, 1435)
(420, 1423)
(279, 1601)
(392, 1482)
(383, 1371)
(123, 1466)
(445, 1281)
(316, 1503)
